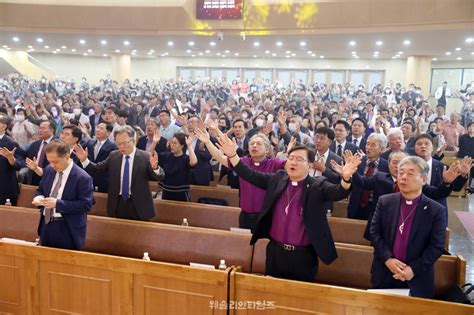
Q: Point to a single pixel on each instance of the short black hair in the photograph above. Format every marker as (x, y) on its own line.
(424, 136)
(240, 120)
(59, 146)
(113, 109)
(408, 121)
(108, 126)
(167, 112)
(51, 125)
(362, 120)
(309, 152)
(327, 132)
(75, 131)
(344, 123)
(470, 123)
(123, 114)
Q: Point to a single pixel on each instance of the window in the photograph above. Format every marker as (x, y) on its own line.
(357, 77)
(319, 77)
(283, 77)
(452, 76)
(337, 77)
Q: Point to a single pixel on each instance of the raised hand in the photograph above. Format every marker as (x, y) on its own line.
(182, 120)
(281, 117)
(154, 160)
(229, 147)
(31, 164)
(80, 152)
(450, 174)
(465, 166)
(8, 154)
(337, 167)
(351, 166)
(157, 135)
(189, 140)
(202, 135)
(291, 144)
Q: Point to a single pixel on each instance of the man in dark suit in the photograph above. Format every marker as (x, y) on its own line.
(408, 129)
(341, 130)
(293, 215)
(361, 200)
(130, 170)
(64, 196)
(72, 135)
(240, 129)
(395, 142)
(145, 142)
(357, 136)
(99, 150)
(10, 163)
(201, 173)
(323, 137)
(408, 232)
(96, 119)
(36, 151)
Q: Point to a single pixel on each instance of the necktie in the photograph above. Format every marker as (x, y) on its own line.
(354, 141)
(364, 199)
(125, 179)
(48, 212)
(395, 187)
(41, 155)
(96, 150)
(339, 150)
(239, 143)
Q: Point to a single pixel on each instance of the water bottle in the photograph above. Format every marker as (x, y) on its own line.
(328, 212)
(96, 189)
(8, 202)
(146, 256)
(185, 222)
(222, 265)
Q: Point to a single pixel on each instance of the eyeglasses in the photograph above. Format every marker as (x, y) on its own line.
(119, 144)
(298, 159)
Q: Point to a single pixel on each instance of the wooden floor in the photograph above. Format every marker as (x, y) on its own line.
(460, 241)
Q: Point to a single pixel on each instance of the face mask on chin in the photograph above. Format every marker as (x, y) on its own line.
(20, 118)
(259, 122)
(292, 127)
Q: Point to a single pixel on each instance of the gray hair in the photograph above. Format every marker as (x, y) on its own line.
(154, 120)
(124, 129)
(378, 137)
(262, 136)
(417, 161)
(396, 152)
(394, 132)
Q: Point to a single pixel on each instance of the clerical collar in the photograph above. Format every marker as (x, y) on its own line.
(296, 183)
(411, 202)
(259, 163)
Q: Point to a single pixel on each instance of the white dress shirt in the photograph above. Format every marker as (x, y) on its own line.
(430, 165)
(322, 158)
(130, 162)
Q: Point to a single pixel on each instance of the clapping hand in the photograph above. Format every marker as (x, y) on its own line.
(31, 164)
(337, 167)
(229, 147)
(465, 166)
(450, 174)
(8, 154)
(157, 135)
(189, 141)
(202, 135)
(351, 164)
(154, 160)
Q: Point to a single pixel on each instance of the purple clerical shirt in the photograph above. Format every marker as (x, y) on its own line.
(251, 197)
(288, 226)
(407, 213)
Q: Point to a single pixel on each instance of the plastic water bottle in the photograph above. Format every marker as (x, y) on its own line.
(222, 265)
(8, 202)
(146, 256)
(328, 212)
(96, 189)
(185, 222)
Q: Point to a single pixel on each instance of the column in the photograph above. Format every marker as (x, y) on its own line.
(121, 66)
(419, 72)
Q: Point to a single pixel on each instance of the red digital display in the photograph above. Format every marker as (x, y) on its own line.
(219, 9)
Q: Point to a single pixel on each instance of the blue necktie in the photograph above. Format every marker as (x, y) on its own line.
(125, 179)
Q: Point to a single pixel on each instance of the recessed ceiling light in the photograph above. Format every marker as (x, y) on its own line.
(8, 48)
(29, 46)
(279, 44)
(105, 55)
(46, 47)
(400, 52)
(212, 43)
(379, 43)
(126, 43)
(191, 43)
(397, 55)
(448, 53)
(255, 56)
(188, 51)
(458, 48)
(16, 39)
(352, 43)
(150, 53)
(5, 46)
(89, 50)
(82, 42)
(472, 53)
(302, 44)
(170, 43)
(236, 54)
(434, 59)
(223, 56)
(274, 54)
(287, 56)
(328, 66)
(267, 51)
(84, 54)
(200, 54)
(117, 50)
(321, 57)
(63, 47)
(256, 44)
(190, 64)
(293, 54)
(73, 50)
(227, 51)
(57, 49)
(152, 50)
(39, 40)
(470, 40)
(393, 57)
(367, 67)
(223, 65)
(288, 51)
(103, 42)
(193, 56)
(309, 52)
(208, 51)
(55, 52)
(376, 56)
(459, 58)
(356, 57)
(218, 54)
(313, 55)
(406, 42)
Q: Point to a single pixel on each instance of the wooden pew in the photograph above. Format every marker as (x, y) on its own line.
(41, 280)
(166, 243)
(279, 296)
(352, 267)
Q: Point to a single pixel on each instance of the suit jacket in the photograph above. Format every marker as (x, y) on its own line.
(100, 181)
(75, 202)
(31, 153)
(315, 192)
(382, 184)
(201, 173)
(9, 184)
(160, 147)
(437, 179)
(140, 190)
(331, 175)
(349, 146)
(425, 243)
(361, 145)
(92, 122)
(356, 192)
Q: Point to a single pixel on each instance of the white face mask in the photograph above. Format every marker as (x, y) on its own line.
(77, 111)
(292, 127)
(259, 122)
(270, 118)
(245, 115)
(20, 117)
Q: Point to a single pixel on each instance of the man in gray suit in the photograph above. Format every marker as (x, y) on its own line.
(323, 137)
(130, 170)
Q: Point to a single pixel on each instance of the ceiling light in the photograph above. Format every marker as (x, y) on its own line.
(84, 54)
(227, 51)
(267, 51)
(193, 56)
(376, 52)
(458, 48)
(223, 56)
(117, 50)
(379, 43)
(208, 51)
(448, 53)
(150, 53)
(256, 44)
(105, 55)
(352, 43)
(29, 46)
(134, 53)
(321, 57)
(397, 56)
(434, 59)
(288, 51)
(400, 52)
(274, 55)
(57, 49)
(302, 44)
(200, 54)
(459, 58)
(16, 39)
(5, 46)
(212, 43)
(188, 51)
(470, 40)
(55, 52)
(279, 44)
(309, 52)
(82, 42)
(472, 53)
(8, 48)
(328, 66)
(287, 56)
(293, 54)
(367, 67)
(223, 65)
(191, 43)
(393, 57)
(356, 57)
(103, 42)
(73, 50)
(151, 50)
(126, 43)
(218, 54)
(236, 54)
(406, 42)
(166, 54)
(89, 50)
(170, 43)
(46, 47)
(376, 56)
(63, 47)
(313, 55)
(255, 56)
(39, 40)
